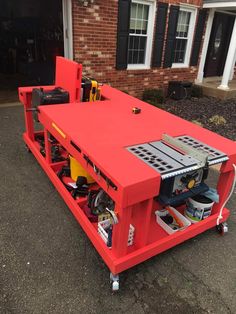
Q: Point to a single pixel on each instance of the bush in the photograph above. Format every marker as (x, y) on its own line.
(196, 91)
(217, 120)
(154, 97)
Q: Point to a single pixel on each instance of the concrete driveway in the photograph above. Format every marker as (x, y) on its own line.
(47, 264)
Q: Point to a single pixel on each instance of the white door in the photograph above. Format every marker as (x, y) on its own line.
(67, 28)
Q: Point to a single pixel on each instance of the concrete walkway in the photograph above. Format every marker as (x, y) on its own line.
(210, 88)
(47, 264)
(8, 96)
(10, 104)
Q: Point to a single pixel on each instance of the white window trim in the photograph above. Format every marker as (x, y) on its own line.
(192, 23)
(150, 30)
(67, 29)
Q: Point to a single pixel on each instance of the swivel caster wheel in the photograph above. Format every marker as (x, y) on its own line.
(222, 228)
(114, 280)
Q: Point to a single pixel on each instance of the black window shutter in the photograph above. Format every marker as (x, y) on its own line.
(198, 37)
(170, 41)
(160, 33)
(123, 34)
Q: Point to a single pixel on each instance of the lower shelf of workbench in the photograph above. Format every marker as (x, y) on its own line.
(158, 240)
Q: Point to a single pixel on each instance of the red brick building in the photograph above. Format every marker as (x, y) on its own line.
(132, 44)
(137, 45)
(141, 44)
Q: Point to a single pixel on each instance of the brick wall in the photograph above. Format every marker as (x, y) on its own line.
(95, 34)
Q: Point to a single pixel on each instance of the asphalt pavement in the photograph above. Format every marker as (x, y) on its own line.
(48, 265)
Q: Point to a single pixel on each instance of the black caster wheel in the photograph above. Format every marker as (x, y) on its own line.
(222, 228)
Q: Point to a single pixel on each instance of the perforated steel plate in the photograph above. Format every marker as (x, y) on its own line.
(170, 162)
(165, 164)
(214, 156)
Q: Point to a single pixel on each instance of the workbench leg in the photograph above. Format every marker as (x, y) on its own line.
(143, 212)
(121, 231)
(47, 144)
(29, 122)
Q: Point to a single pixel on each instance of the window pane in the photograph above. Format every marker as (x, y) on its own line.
(181, 36)
(132, 25)
(180, 50)
(138, 26)
(140, 11)
(136, 43)
(133, 10)
(142, 43)
(137, 49)
(130, 49)
(183, 24)
(138, 33)
(130, 57)
(141, 57)
(145, 12)
(139, 18)
(135, 57)
(218, 39)
(144, 28)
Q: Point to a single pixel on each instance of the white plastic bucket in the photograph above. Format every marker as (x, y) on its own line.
(198, 208)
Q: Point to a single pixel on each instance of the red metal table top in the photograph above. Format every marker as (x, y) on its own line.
(104, 128)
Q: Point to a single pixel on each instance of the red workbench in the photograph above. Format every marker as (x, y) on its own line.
(101, 131)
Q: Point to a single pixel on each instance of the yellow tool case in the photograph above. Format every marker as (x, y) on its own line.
(90, 90)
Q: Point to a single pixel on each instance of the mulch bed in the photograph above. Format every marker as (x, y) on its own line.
(216, 115)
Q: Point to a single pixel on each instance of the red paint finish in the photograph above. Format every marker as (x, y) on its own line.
(102, 130)
(68, 76)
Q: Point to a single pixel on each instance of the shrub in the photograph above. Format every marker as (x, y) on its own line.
(154, 97)
(217, 120)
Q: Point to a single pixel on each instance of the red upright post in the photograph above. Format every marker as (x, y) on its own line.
(29, 122)
(121, 231)
(47, 147)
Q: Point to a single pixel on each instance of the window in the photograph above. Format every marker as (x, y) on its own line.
(140, 34)
(184, 37)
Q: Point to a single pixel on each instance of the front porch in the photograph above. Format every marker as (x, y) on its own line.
(216, 70)
(210, 87)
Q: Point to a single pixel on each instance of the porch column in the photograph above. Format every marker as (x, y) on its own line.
(232, 70)
(229, 64)
(205, 46)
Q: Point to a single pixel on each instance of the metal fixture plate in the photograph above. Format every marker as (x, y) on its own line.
(162, 163)
(169, 161)
(183, 159)
(214, 156)
(154, 158)
(201, 156)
